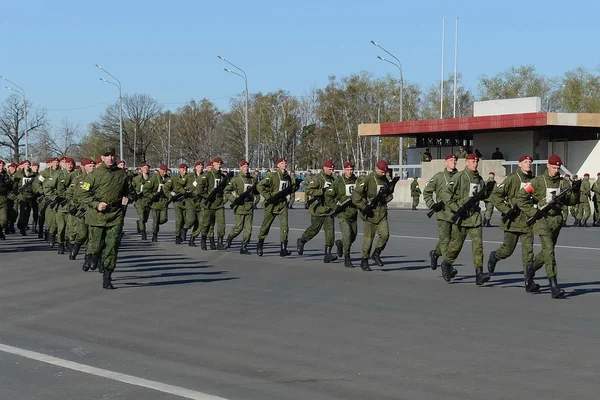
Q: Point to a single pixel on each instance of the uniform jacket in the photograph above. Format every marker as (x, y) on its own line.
(318, 187)
(366, 189)
(174, 186)
(460, 189)
(503, 197)
(153, 186)
(271, 184)
(415, 190)
(340, 191)
(236, 187)
(108, 185)
(209, 181)
(435, 186)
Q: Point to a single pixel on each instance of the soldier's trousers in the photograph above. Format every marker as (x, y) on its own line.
(565, 213)
(369, 231)
(61, 226)
(547, 255)
(24, 213)
(209, 218)
(51, 220)
(104, 242)
(72, 228)
(81, 231)
(445, 231)
(159, 217)
(415, 201)
(143, 212)
(35, 213)
(316, 223)
(13, 211)
(193, 216)
(489, 210)
(509, 244)
(3, 213)
(584, 211)
(179, 219)
(349, 229)
(284, 228)
(458, 239)
(41, 218)
(574, 211)
(243, 222)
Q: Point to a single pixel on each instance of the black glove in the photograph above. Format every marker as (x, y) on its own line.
(368, 212)
(437, 207)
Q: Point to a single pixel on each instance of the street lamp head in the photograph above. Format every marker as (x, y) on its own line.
(228, 70)
(381, 58)
(220, 58)
(374, 43)
(1, 77)
(8, 88)
(98, 66)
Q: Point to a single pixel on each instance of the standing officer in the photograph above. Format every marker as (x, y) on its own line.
(489, 207)
(193, 204)
(464, 185)
(242, 185)
(26, 198)
(542, 190)
(6, 185)
(596, 199)
(583, 210)
(142, 202)
(105, 193)
(154, 190)
(320, 210)
(436, 185)
(415, 193)
(514, 222)
(175, 186)
(375, 219)
(341, 193)
(215, 210)
(272, 184)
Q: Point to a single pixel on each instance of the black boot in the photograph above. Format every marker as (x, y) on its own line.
(284, 250)
(585, 224)
(23, 232)
(178, 239)
(74, 251)
(434, 258)
(557, 292)
(259, 247)
(47, 236)
(61, 248)
(41, 233)
(93, 262)
(348, 261)
(487, 224)
(340, 248)
(228, 241)
(211, 241)
(492, 262)
(576, 223)
(86, 263)
(375, 257)
(184, 235)
(51, 240)
(480, 277)
(484, 222)
(530, 285)
(68, 245)
(364, 264)
(144, 236)
(446, 271)
(244, 249)
(328, 256)
(192, 242)
(203, 242)
(300, 246)
(101, 268)
(155, 237)
(220, 245)
(2, 237)
(11, 226)
(106, 279)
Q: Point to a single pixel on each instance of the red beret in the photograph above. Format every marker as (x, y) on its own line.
(182, 165)
(69, 160)
(382, 165)
(292, 172)
(146, 165)
(217, 160)
(98, 160)
(199, 163)
(567, 176)
(53, 159)
(348, 164)
(554, 160)
(472, 156)
(281, 160)
(64, 158)
(2, 162)
(121, 161)
(598, 174)
(329, 164)
(86, 161)
(586, 174)
(491, 173)
(449, 156)
(77, 166)
(163, 167)
(35, 164)
(243, 162)
(309, 171)
(523, 158)
(268, 170)
(26, 161)
(13, 165)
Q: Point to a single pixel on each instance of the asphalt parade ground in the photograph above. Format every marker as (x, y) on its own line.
(187, 323)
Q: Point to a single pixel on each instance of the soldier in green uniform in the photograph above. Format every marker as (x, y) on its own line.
(176, 186)
(461, 153)
(38, 190)
(49, 187)
(307, 180)
(256, 179)
(489, 206)
(565, 209)
(193, 204)
(415, 193)
(215, 210)
(514, 223)
(436, 185)
(80, 227)
(64, 181)
(24, 179)
(583, 210)
(154, 190)
(596, 199)
(271, 184)
(320, 209)
(460, 189)
(341, 193)
(6, 186)
(375, 220)
(142, 202)
(105, 193)
(242, 185)
(72, 224)
(35, 211)
(13, 207)
(574, 208)
(541, 190)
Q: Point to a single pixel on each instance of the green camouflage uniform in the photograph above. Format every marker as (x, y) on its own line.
(26, 198)
(596, 200)
(584, 211)
(436, 185)
(320, 210)
(176, 186)
(489, 206)
(62, 211)
(268, 186)
(415, 193)
(50, 187)
(6, 185)
(244, 213)
(215, 211)
(341, 191)
(194, 207)
(142, 201)
(159, 208)
(80, 228)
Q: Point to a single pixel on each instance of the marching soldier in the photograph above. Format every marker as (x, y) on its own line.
(158, 200)
(415, 193)
(596, 199)
(320, 208)
(543, 190)
(24, 179)
(193, 204)
(49, 187)
(513, 222)
(565, 209)
(13, 207)
(105, 192)
(436, 185)
(256, 179)
(489, 207)
(242, 190)
(341, 194)
(142, 202)
(35, 211)
(80, 228)
(6, 185)
(175, 186)
(574, 208)
(62, 209)
(272, 184)
(463, 186)
(215, 209)
(583, 210)
(375, 218)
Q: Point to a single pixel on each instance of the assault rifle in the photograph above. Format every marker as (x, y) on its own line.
(435, 207)
(320, 199)
(282, 194)
(22, 189)
(557, 200)
(247, 195)
(219, 189)
(384, 192)
(463, 211)
(58, 202)
(156, 196)
(513, 210)
(341, 207)
(178, 197)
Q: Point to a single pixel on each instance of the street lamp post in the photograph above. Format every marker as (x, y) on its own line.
(245, 78)
(399, 66)
(22, 93)
(118, 84)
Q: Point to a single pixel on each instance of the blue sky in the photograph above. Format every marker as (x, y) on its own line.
(169, 49)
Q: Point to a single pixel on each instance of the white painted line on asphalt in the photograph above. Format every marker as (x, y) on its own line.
(116, 376)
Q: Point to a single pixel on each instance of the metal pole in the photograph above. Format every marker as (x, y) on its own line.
(118, 84)
(246, 80)
(22, 93)
(378, 138)
(134, 145)
(169, 144)
(245, 77)
(442, 80)
(455, 59)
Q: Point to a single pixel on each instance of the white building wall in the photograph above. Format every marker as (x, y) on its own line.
(578, 156)
(507, 106)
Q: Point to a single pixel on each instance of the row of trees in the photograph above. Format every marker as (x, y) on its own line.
(306, 129)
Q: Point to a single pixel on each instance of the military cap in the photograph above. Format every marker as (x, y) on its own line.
(329, 164)
(109, 151)
(554, 160)
(382, 165)
(523, 158)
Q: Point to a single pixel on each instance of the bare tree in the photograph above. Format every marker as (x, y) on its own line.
(12, 131)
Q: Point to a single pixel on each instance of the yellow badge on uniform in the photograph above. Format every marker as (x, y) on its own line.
(85, 186)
